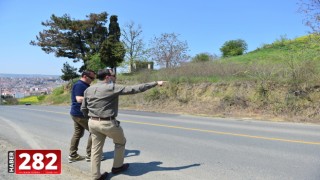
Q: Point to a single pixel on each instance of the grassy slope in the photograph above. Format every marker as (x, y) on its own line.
(305, 48)
(277, 81)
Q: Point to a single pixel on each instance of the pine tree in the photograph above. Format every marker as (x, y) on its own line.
(69, 72)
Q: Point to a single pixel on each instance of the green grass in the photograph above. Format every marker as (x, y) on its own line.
(60, 95)
(304, 47)
(30, 99)
(57, 99)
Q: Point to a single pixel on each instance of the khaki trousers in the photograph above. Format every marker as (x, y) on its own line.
(99, 131)
(80, 124)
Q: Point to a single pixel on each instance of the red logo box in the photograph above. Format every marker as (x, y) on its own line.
(38, 161)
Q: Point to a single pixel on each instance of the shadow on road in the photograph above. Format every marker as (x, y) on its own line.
(138, 169)
(128, 153)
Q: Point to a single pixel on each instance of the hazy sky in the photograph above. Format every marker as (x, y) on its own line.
(204, 24)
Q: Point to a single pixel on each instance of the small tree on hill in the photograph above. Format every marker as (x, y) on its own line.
(204, 57)
(113, 51)
(134, 44)
(69, 72)
(233, 48)
(168, 51)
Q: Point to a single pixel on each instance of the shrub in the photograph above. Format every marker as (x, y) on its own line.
(30, 99)
(234, 48)
(58, 91)
(41, 97)
(152, 94)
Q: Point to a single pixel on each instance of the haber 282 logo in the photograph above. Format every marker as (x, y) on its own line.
(34, 161)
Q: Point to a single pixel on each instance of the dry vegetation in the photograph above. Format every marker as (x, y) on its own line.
(251, 98)
(276, 82)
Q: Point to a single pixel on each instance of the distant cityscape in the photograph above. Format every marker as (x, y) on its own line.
(21, 85)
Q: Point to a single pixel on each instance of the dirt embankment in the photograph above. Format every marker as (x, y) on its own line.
(259, 101)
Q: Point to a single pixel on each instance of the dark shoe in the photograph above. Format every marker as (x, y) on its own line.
(75, 158)
(120, 169)
(103, 176)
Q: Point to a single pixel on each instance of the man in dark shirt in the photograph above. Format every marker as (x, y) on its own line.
(80, 122)
(100, 103)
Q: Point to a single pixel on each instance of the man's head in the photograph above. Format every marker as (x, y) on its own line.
(88, 76)
(106, 74)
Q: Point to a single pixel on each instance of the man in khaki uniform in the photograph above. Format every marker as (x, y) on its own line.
(100, 104)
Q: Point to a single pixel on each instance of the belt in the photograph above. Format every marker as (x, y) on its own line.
(103, 119)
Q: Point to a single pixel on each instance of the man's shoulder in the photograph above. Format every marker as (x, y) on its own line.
(81, 83)
(93, 86)
(77, 83)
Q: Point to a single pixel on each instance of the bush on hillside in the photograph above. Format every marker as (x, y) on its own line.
(57, 91)
(234, 48)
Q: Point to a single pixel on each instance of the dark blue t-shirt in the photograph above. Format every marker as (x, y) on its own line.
(77, 90)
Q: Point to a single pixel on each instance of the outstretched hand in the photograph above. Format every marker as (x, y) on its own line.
(160, 83)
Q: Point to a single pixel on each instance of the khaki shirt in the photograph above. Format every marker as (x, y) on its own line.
(101, 99)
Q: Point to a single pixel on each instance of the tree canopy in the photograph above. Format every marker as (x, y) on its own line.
(78, 39)
(134, 44)
(113, 51)
(311, 10)
(168, 51)
(233, 48)
(69, 72)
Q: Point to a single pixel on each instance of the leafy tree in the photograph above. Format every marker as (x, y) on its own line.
(95, 63)
(168, 51)
(233, 48)
(311, 10)
(204, 57)
(133, 43)
(113, 51)
(77, 39)
(69, 72)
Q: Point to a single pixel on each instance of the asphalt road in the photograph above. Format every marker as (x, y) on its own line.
(170, 146)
